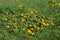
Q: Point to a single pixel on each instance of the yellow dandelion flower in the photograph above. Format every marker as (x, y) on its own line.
(44, 24)
(25, 16)
(8, 26)
(33, 33)
(32, 28)
(32, 12)
(23, 20)
(53, 1)
(30, 25)
(35, 26)
(42, 20)
(38, 28)
(22, 14)
(4, 19)
(29, 31)
(58, 4)
(47, 24)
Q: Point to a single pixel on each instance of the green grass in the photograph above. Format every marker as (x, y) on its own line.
(10, 13)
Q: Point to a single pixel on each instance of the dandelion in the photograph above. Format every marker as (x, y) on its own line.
(58, 4)
(42, 20)
(23, 20)
(8, 26)
(53, 1)
(47, 24)
(25, 16)
(32, 28)
(33, 33)
(29, 31)
(44, 24)
(5, 19)
(38, 28)
(35, 26)
(32, 12)
(22, 14)
(30, 25)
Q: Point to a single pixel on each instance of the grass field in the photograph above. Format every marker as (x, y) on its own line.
(29, 19)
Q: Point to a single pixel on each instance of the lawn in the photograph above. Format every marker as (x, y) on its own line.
(29, 19)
